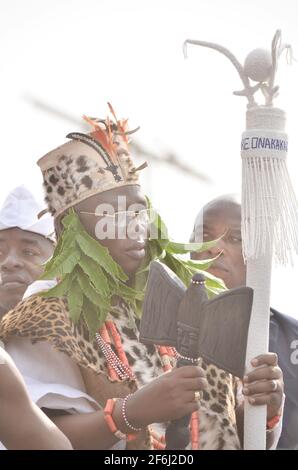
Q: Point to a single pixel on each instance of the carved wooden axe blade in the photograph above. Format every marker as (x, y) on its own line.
(186, 319)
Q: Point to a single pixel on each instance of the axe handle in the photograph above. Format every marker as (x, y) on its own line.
(177, 433)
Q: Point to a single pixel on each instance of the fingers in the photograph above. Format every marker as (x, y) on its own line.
(190, 372)
(264, 384)
(264, 372)
(261, 387)
(199, 383)
(265, 399)
(270, 359)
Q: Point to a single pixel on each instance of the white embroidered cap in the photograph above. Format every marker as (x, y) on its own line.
(20, 209)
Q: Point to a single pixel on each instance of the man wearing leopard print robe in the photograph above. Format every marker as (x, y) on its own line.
(66, 371)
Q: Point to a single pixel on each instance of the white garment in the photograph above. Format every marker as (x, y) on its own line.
(51, 376)
(39, 286)
(20, 209)
(53, 380)
(2, 357)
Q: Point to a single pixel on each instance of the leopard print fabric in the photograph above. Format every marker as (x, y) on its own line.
(76, 177)
(47, 319)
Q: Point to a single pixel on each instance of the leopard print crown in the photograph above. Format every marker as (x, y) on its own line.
(88, 164)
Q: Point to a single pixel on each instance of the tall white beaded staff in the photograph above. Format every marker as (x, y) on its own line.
(269, 206)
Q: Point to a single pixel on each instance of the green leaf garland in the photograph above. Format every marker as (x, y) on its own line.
(90, 278)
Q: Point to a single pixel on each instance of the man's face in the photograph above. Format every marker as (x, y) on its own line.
(123, 234)
(21, 255)
(224, 218)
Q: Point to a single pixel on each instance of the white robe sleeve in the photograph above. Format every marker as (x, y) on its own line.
(53, 380)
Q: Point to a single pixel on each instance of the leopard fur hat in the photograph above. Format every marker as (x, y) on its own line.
(88, 164)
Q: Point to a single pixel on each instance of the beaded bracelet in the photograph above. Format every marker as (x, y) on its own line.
(130, 426)
(108, 411)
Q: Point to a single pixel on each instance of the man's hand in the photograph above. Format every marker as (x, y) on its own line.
(170, 396)
(264, 385)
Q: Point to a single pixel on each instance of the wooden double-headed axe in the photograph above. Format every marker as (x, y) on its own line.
(184, 318)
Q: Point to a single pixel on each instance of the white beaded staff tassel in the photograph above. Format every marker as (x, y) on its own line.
(269, 220)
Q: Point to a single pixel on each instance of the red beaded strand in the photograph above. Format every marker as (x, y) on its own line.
(165, 353)
(106, 338)
(119, 368)
(118, 344)
(195, 430)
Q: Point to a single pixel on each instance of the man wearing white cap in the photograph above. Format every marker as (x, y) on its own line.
(24, 247)
(25, 244)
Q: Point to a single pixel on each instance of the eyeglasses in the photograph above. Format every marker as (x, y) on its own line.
(123, 218)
